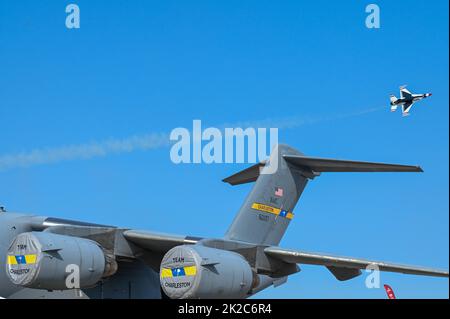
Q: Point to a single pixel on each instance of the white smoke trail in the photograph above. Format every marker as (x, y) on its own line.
(143, 142)
(84, 151)
(297, 121)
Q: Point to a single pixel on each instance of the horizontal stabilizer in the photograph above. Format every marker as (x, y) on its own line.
(247, 175)
(318, 165)
(299, 257)
(333, 165)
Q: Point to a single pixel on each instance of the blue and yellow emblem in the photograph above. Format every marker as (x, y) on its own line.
(272, 210)
(178, 271)
(21, 259)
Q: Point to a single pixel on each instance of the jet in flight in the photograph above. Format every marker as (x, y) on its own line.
(48, 257)
(406, 100)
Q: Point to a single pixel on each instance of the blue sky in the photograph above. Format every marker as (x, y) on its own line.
(139, 67)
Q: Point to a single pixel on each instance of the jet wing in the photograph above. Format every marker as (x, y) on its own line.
(346, 264)
(159, 242)
(405, 94)
(406, 108)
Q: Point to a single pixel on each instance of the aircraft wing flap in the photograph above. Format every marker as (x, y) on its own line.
(330, 261)
(160, 242)
(333, 165)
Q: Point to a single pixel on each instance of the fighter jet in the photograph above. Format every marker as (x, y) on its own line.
(406, 100)
(47, 257)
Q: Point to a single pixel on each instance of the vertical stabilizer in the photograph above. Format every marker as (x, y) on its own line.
(268, 209)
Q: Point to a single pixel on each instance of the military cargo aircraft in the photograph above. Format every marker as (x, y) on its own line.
(47, 257)
(406, 100)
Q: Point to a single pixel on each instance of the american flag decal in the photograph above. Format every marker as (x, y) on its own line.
(278, 192)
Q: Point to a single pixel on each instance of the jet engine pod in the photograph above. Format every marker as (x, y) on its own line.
(44, 261)
(195, 271)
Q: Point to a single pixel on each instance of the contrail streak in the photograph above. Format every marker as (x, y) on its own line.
(144, 142)
(297, 121)
(84, 151)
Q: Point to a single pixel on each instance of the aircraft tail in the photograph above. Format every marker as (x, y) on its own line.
(393, 103)
(268, 209)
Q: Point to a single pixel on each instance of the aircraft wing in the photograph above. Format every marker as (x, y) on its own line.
(404, 93)
(159, 242)
(346, 267)
(406, 108)
(343, 268)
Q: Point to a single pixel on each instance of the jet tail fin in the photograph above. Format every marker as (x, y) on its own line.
(393, 103)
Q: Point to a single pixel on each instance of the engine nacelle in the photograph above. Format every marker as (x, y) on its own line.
(195, 271)
(44, 260)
